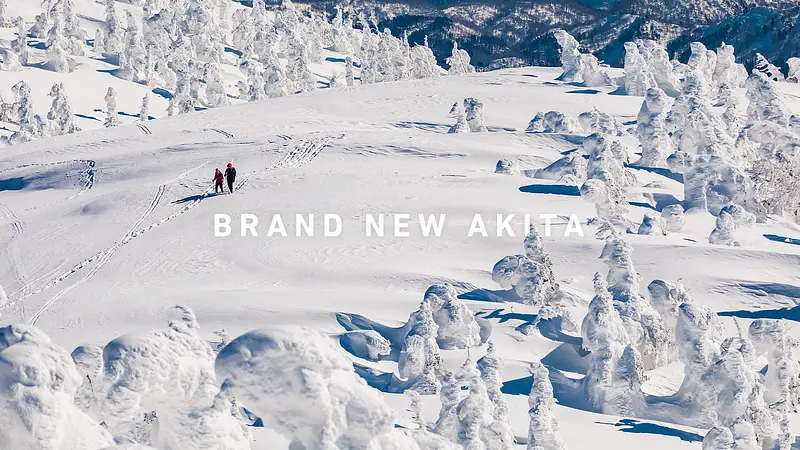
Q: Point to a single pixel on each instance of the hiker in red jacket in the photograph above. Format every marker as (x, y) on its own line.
(218, 187)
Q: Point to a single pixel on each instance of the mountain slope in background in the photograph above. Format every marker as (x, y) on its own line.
(511, 34)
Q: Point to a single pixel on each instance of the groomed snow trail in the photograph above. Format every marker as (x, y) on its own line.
(297, 155)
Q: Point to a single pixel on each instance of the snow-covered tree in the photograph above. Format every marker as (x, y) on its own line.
(651, 129)
(473, 109)
(729, 219)
(698, 336)
(571, 64)
(348, 72)
(645, 327)
(781, 379)
(144, 112)
(672, 218)
(499, 435)
(74, 35)
(770, 70)
(20, 45)
(215, 86)
(420, 351)
(666, 297)
(112, 117)
(606, 181)
(659, 66)
(605, 336)
(459, 61)
(727, 73)
(41, 382)
(416, 409)
(448, 425)
(457, 325)
(423, 62)
(596, 121)
(733, 393)
(27, 119)
(625, 397)
(60, 115)
(457, 113)
(475, 409)
(58, 59)
(650, 225)
(793, 75)
(543, 428)
(112, 39)
(637, 76)
(40, 26)
(89, 362)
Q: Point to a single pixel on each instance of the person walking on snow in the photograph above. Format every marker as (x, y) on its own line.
(230, 175)
(218, 182)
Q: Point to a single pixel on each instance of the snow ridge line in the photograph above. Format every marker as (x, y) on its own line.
(102, 257)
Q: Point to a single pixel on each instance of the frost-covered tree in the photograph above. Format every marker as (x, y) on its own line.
(595, 121)
(645, 327)
(457, 113)
(215, 86)
(473, 110)
(625, 397)
(475, 409)
(659, 66)
(37, 403)
(637, 76)
(60, 115)
(112, 39)
(447, 425)
(20, 45)
(729, 219)
(768, 69)
(112, 117)
(733, 393)
(416, 409)
(27, 119)
(781, 379)
(297, 67)
(423, 62)
(666, 297)
(698, 336)
(605, 337)
(459, 61)
(543, 428)
(348, 72)
(727, 73)
(89, 362)
(651, 225)
(58, 59)
(498, 436)
(185, 94)
(40, 26)
(606, 180)
(420, 351)
(793, 75)
(74, 35)
(571, 64)
(144, 112)
(651, 129)
(457, 325)
(672, 218)
(769, 142)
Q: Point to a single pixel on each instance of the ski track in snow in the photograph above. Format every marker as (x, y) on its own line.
(16, 266)
(144, 128)
(298, 155)
(222, 132)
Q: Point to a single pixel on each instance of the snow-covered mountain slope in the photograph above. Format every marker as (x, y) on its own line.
(510, 34)
(106, 230)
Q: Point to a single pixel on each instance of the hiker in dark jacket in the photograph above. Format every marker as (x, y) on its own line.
(230, 175)
(218, 182)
